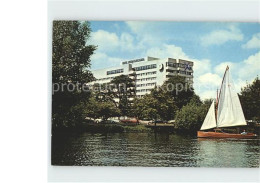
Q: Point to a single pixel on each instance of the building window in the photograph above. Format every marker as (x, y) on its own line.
(141, 68)
(115, 71)
(150, 84)
(146, 74)
(171, 64)
(171, 71)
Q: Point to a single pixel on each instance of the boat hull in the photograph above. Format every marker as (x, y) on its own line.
(202, 134)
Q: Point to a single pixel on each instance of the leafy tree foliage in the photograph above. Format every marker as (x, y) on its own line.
(121, 88)
(108, 109)
(163, 102)
(100, 109)
(179, 89)
(145, 108)
(70, 61)
(195, 99)
(191, 117)
(156, 105)
(92, 108)
(208, 102)
(250, 100)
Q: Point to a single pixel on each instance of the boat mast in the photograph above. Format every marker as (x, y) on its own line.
(218, 94)
(222, 81)
(216, 109)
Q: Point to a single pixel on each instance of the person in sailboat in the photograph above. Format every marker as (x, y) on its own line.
(244, 132)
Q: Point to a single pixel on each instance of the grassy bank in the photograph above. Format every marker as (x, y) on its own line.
(123, 128)
(103, 128)
(136, 128)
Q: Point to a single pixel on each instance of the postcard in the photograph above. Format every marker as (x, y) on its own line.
(155, 94)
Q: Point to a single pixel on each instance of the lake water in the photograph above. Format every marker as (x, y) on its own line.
(153, 149)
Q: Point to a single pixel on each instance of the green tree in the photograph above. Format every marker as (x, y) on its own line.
(145, 108)
(91, 109)
(156, 105)
(250, 100)
(107, 110)
(191, 117)
(195, 99)
(179, 89)
(122, 89)
(100, 109)
(70, 63)
(208, 102)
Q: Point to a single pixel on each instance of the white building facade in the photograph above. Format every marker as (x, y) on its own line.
(147, 72)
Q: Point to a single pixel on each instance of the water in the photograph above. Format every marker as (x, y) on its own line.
(150, 149)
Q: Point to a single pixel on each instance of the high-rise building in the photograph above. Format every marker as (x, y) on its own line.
(147, 72)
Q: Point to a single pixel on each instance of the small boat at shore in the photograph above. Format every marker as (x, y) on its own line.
(228, 113)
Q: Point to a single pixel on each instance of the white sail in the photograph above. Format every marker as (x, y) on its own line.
(230, 112)
(210, 120)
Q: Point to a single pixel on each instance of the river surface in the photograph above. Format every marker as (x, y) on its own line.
(153, 149)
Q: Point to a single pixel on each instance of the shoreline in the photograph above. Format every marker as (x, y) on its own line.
(133, 128)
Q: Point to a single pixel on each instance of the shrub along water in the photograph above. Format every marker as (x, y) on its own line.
(190, 118)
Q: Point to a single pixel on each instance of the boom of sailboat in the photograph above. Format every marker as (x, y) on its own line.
(228, 113)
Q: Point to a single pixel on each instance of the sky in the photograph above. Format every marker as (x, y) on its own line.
(210, 45)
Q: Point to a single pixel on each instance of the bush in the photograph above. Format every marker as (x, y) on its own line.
(190, 117)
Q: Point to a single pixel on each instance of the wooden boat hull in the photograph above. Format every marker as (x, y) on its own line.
(202, 134)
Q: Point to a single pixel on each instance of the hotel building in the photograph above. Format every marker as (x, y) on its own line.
(147, 72)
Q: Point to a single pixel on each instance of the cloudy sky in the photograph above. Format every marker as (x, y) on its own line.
(211, 46)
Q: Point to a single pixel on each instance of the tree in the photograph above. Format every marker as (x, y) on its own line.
(195, 99)
(156, 105)
(107, 110)
(208, 102)
(91, 110)
(179, 89)
(250, 100)
(145, 108)
(98, 109)
(70, 63)
(122, 89)
(191, 117)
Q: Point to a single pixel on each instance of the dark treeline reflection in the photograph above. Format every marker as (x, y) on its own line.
(153, 149)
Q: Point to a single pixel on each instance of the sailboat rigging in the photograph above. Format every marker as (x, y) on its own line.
(228, 112)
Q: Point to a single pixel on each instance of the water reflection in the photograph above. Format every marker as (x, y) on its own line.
(152, 149)
(228, 153)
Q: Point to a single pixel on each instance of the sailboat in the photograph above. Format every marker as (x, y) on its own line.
(228, 113)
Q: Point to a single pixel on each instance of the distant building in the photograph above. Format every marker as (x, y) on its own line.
(147, 72)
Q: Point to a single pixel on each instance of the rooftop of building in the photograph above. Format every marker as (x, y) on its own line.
(138, 60)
